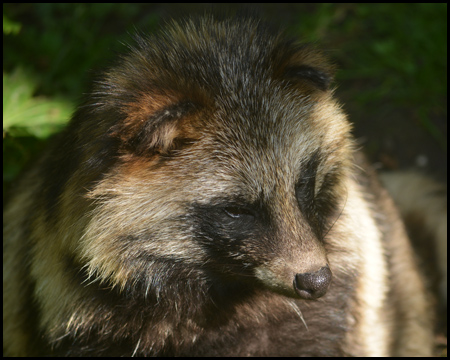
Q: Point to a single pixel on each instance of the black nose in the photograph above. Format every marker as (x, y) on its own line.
(313, 285)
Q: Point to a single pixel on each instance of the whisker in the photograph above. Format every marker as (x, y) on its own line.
(296, 309)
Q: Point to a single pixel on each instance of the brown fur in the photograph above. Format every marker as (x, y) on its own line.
(199, 203)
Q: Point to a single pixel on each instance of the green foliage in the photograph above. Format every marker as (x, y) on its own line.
(24, 113)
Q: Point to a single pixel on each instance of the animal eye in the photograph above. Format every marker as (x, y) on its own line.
(237, 212)
(305, 193)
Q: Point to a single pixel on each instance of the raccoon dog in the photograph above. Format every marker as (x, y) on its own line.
(206, 199)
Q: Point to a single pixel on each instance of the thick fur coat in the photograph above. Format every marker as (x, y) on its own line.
(206, 199)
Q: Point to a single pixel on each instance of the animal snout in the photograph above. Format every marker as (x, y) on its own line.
(313, 285)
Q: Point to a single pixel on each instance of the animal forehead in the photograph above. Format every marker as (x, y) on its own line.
(261, 153)
(266, 149)
(277, 127)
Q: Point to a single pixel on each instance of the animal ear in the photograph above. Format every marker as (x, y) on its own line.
(156, 125)
(164, 130)
(319, 78)
(307, 68)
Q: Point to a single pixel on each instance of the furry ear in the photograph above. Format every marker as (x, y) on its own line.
(319, 78)
(164, 130)
(156, 124)
(306, 68)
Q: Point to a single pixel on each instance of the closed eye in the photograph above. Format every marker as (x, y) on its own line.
(237, 212)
